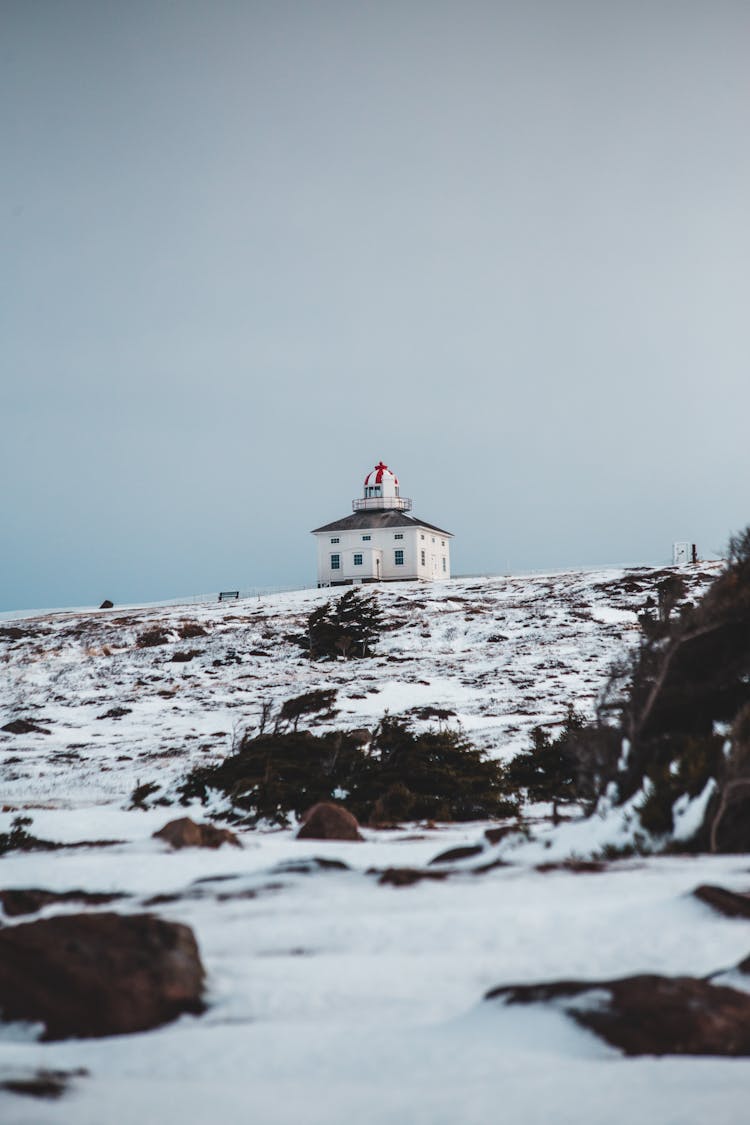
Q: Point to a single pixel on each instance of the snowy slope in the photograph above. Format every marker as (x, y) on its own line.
(333, 997)
(504, 653)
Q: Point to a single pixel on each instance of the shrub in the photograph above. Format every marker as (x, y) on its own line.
(439, 771)
(434, 775)
(189, 630)
(150, 638)
(690, 673)
(347, 628)
(310, 703)
(547, 770)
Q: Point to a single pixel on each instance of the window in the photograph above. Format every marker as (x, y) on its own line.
(399, 558)
(366, 538)
(445, 568)
(358, 560)
(433, 539)
(423, 559)
(442, 542)
(398, 535)
(335, 562)
(335, 539)
(421, 537)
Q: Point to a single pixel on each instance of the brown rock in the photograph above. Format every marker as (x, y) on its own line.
(28, 900)
(24, 726)
(576, 866)
(453, 855)
(42, 1083)
(185, 833)
(88, 975)
(107, 604)
(326, 821)
(649, 1014)
(407, 876)
(495, 835)
(726, 902)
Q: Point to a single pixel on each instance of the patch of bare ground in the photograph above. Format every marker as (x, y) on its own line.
(30, 900)
(649, 1014)
(48, 1084)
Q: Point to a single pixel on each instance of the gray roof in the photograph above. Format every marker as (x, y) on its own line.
(389, 517)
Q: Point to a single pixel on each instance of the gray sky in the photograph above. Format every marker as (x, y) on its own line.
(249, 249)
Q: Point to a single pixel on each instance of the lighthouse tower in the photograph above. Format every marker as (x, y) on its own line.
(381, 492)
(379, 542)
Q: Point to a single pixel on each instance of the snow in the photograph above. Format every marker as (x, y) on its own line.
(333, 997)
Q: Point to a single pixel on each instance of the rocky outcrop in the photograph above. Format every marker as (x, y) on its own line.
(28, 900)
(326, 821)
(454, 855)
(407, 876)
(649, 1014)
(89, 975)
(185, 833)
(729, 903)
(24, 726)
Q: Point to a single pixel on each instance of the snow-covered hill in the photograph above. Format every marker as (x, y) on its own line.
(504, 654)
(333, 996)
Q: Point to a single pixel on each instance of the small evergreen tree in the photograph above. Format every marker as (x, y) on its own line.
(547, 771)
(435, 774)
(348, 627)
(311, 703)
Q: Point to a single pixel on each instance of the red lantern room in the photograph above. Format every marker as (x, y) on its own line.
(381, 492)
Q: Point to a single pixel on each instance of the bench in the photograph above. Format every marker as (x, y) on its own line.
(227, 595)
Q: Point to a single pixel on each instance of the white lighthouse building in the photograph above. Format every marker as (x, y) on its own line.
(379, 542)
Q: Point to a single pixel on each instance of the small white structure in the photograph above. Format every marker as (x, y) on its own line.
(684, 552)
(379, 542)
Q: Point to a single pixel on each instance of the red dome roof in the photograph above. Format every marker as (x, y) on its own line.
(380, 473)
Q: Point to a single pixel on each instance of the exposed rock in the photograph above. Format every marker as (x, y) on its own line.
(495, 835)
(88, 975)
(24, 726)
(326, 821)
(407, 876)
(28, 900)
(107, 604)
(12, 633)
(44, 1083)
(115, 713)
(649, 1014)
(185, 833)
(726, 902)
(311, 866)
(577, 866)
(453, 855)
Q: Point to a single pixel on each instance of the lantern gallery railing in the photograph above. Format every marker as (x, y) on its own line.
(380, 503)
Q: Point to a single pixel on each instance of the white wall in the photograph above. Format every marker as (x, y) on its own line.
(381, 547)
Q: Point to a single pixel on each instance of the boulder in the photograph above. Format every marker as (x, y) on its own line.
(326, 821)
(107, 604)
(89, 975)
(649, 1014)
(185, 833)
(729, 903)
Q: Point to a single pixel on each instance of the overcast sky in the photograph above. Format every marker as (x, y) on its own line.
(249, 249)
